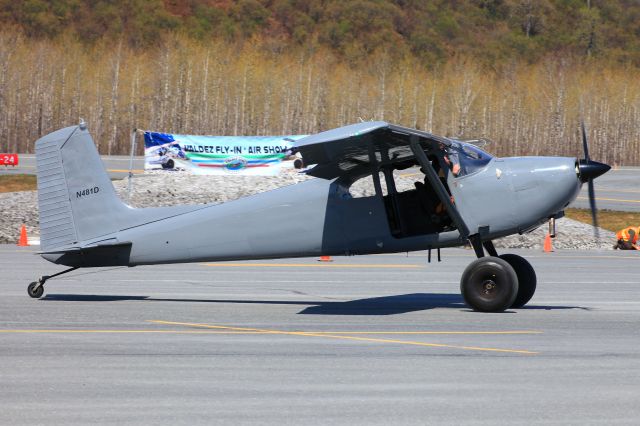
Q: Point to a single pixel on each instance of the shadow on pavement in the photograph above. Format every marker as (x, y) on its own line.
(386, 305)
(89, 298)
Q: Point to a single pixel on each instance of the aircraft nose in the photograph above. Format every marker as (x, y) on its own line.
(591, 170)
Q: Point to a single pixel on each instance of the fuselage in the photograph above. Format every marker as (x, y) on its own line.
(320, 217)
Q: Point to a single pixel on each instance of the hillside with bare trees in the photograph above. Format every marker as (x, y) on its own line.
(430, 30)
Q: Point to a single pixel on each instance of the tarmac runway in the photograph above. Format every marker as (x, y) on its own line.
(361, 340)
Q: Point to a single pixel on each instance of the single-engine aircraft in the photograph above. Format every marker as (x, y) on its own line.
(465, 197)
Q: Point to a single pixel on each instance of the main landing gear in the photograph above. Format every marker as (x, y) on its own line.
(36, 288)
(496, 283)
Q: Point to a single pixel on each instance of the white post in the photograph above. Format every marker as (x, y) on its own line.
(133, 150)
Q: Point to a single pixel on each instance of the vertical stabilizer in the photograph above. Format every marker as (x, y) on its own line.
(76, 199)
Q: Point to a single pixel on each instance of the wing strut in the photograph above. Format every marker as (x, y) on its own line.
(441, 191)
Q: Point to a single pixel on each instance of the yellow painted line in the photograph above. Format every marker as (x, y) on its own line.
(344, 337)
(60, 331)
(311, 265)
(75, 331)
(611, 199)
(413, 174)
(428, 332)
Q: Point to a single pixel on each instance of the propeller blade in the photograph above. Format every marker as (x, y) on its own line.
(585, 145)
(594, 211)
(588, 172)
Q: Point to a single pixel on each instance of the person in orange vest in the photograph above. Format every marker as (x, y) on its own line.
(627, 238)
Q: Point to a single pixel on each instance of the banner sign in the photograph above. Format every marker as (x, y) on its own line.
(245, 155)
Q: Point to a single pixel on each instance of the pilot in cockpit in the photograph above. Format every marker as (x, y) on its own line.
(450, 158)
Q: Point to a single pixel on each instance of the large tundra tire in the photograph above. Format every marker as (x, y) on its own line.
(489, 284)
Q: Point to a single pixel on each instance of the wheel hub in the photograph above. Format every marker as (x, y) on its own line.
(488, 287)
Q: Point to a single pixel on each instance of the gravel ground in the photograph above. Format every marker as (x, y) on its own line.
(165, 189)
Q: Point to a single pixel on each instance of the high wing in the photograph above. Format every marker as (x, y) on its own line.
(358, 148)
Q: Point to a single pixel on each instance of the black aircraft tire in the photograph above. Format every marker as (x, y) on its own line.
(36, 294)
(169, 164)
(489, 284)
(526, 278)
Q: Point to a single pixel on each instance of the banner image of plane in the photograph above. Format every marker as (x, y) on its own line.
(219, 155)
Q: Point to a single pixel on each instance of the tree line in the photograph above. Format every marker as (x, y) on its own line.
(222, 88)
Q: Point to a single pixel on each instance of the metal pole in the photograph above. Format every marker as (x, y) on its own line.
(133, 150)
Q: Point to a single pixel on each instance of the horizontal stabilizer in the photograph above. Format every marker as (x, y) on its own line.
(116, 254)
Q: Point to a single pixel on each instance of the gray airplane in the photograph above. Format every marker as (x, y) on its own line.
(463, 196)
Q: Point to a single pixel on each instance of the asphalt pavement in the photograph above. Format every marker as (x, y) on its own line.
(360, 340)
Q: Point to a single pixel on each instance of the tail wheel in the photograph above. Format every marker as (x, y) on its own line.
(526, 278)
(35, 290)
(489, 284)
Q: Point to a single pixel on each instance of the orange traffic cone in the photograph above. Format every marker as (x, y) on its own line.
(23, 237)
(548, 248)
(325, 259)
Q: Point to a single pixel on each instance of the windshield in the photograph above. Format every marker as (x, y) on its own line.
(470, 157)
